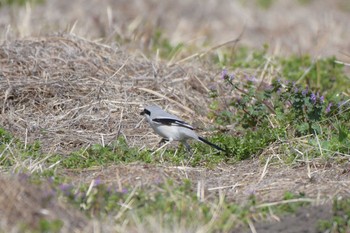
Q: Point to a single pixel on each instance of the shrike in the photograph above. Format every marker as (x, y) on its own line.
(171, 127)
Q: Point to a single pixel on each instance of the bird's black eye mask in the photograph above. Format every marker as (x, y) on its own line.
(145, 111)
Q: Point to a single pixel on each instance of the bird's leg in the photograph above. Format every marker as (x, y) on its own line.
(164, 140)
(188, 148)
(165, 144)
(160, 143)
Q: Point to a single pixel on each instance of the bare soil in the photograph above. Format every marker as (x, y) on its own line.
(306, 219)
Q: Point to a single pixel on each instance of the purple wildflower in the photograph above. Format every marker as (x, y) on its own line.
(66, 188)
(328, 109)
(224, 73)
(97, 182)
(313, 98)
(322, 99)
(123, 191)
(251, 78)
(212, 88)
(304, 92)
(296, 89)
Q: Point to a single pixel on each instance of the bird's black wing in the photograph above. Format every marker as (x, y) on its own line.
(171, 121)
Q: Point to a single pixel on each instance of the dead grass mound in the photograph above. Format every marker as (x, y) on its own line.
(68, 92)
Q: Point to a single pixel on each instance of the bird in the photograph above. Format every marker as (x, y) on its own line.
(171, 128)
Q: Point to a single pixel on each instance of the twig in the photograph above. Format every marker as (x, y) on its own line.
(285, 202)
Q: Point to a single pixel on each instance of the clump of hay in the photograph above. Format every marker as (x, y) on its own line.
(68, 92)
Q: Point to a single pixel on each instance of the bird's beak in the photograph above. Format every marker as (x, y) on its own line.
(142, 113)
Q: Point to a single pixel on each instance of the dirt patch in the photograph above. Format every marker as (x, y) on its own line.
(25, 205)
(236, 181)
(306, 219)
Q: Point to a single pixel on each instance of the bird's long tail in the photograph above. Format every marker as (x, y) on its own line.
(210, 143)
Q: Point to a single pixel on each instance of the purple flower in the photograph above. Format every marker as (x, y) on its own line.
(97, 182)
(251, 78)
(232, 77)
(322, 99)
(296, 89)
(328, 109)
(212, 88)
(304, 92)
(224, 73)
(313, 98)
(66, 188)
(123, 191)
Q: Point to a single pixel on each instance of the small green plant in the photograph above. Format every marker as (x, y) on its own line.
(166, 49)
(241, 58)
(281, 110)
(15, 152)
(287, 101)
(50, 226)
(251, 143)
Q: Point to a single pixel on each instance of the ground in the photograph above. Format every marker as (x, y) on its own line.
(74, 74)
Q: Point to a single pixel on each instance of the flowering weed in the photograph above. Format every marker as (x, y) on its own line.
(281, 110)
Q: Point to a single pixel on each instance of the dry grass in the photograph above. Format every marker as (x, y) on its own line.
(236, 182)
(68, 92)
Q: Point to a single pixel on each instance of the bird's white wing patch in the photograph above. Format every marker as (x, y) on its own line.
(170, 121)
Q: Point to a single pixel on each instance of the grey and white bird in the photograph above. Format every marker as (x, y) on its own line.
(172, 128)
